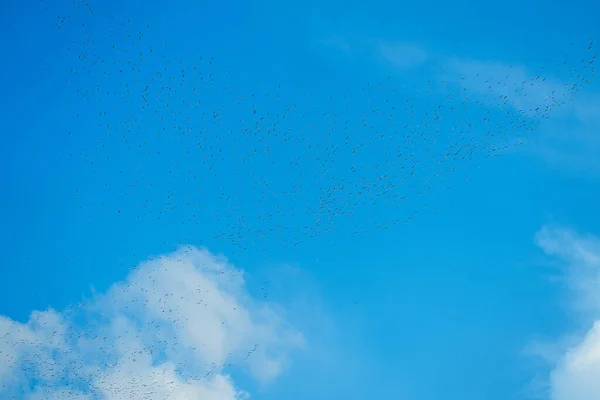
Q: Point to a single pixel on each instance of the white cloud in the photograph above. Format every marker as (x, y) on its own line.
(576, 370)
(169, 330)
(577, 376)
(579, 255)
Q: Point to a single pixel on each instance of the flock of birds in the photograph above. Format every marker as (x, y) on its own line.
(181, 142)
(282, 163)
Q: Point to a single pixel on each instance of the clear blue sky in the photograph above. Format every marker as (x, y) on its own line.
(444, 306)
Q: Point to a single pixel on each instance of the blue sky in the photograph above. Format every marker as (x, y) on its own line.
(489, 291)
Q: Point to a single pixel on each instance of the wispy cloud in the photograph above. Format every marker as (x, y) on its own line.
(579, 256)
(576, 361)
(567, 114)
(171, 329)
(562, 108)
(572, 140)
(531, 93)
(403, 55)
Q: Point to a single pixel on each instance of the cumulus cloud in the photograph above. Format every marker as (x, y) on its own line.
(172, 329)
(576, 371)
